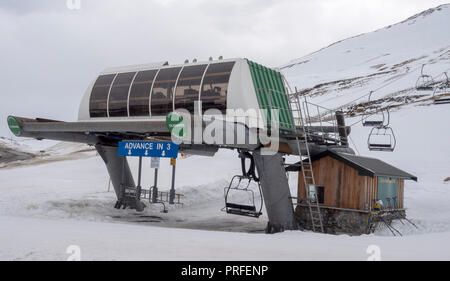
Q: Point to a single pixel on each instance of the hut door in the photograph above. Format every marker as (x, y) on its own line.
(387, 189)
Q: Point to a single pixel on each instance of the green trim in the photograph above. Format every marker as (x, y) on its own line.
(271, 93)
(14, 126)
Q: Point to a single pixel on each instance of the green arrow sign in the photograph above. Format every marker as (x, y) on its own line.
(14, 125)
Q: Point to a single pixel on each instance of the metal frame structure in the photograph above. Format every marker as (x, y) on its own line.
(424, 82)
(386, 131)
(441, 94)
(387, 146)
(243, 209)
(249, 175)
(305, 161)
(109, 93)
(372, 123)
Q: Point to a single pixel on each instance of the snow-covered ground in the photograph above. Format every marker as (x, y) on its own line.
(60, 197)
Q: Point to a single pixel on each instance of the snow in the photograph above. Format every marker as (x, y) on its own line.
(28, 145)
(37, 239)
(60, 197)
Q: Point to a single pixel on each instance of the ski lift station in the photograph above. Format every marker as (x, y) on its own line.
(133, 111)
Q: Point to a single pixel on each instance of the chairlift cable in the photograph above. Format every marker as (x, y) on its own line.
(409, 71)
(354, 144)
(388, 106)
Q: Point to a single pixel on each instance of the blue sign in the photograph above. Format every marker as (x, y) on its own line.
(148, 149)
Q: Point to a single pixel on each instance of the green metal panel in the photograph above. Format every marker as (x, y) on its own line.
(262, 98)
(279, 96)
(277, 80)
(271, 93)
(14, 126)
(387, 188)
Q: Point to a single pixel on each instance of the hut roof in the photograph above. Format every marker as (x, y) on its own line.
(365, 166)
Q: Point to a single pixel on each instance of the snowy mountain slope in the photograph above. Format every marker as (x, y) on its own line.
(346, 71)
(11, 151)
(14, 154)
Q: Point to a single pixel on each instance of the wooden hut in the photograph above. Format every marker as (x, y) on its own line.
(348, 187)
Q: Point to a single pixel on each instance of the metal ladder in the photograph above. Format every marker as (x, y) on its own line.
(305, 164)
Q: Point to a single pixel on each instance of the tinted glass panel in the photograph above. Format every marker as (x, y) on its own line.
(162, 94)
(140, 93)
(188, 87)
(118, 96)
(99, 96)
(215, 86)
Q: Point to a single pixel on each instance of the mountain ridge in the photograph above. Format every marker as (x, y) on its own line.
(423, 14)
(345, 72)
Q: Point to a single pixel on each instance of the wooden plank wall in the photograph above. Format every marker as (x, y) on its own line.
(343, 187)
(371, 191)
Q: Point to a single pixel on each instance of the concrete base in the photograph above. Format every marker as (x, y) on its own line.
(120, 175)
(276, 193)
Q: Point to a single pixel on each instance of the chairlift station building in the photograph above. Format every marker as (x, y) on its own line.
(131, 104)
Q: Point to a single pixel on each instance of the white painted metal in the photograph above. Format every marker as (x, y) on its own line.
(241, 94)
(129, 91)
(175, 87)
(109, 92)
(150, 94)
(132, 68)
(200, 89)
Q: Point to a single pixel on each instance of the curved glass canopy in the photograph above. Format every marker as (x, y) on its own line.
(156, 92)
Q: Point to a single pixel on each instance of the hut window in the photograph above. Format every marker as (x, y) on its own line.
(312, 190)
(118, 97)
(162, 93)
(140, 93)
(99, 96)
(215, 86)
(188, 87)
(387, 191)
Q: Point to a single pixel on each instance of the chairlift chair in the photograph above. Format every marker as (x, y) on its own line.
(442, 88)
(373, 119)
(243, 184)
(382, 138)
(424, 82)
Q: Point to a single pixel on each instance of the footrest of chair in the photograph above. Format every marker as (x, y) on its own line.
(241, 207)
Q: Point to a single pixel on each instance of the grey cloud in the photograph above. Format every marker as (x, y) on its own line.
(32, 6)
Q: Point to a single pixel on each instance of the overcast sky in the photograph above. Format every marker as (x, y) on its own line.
(49, 53)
